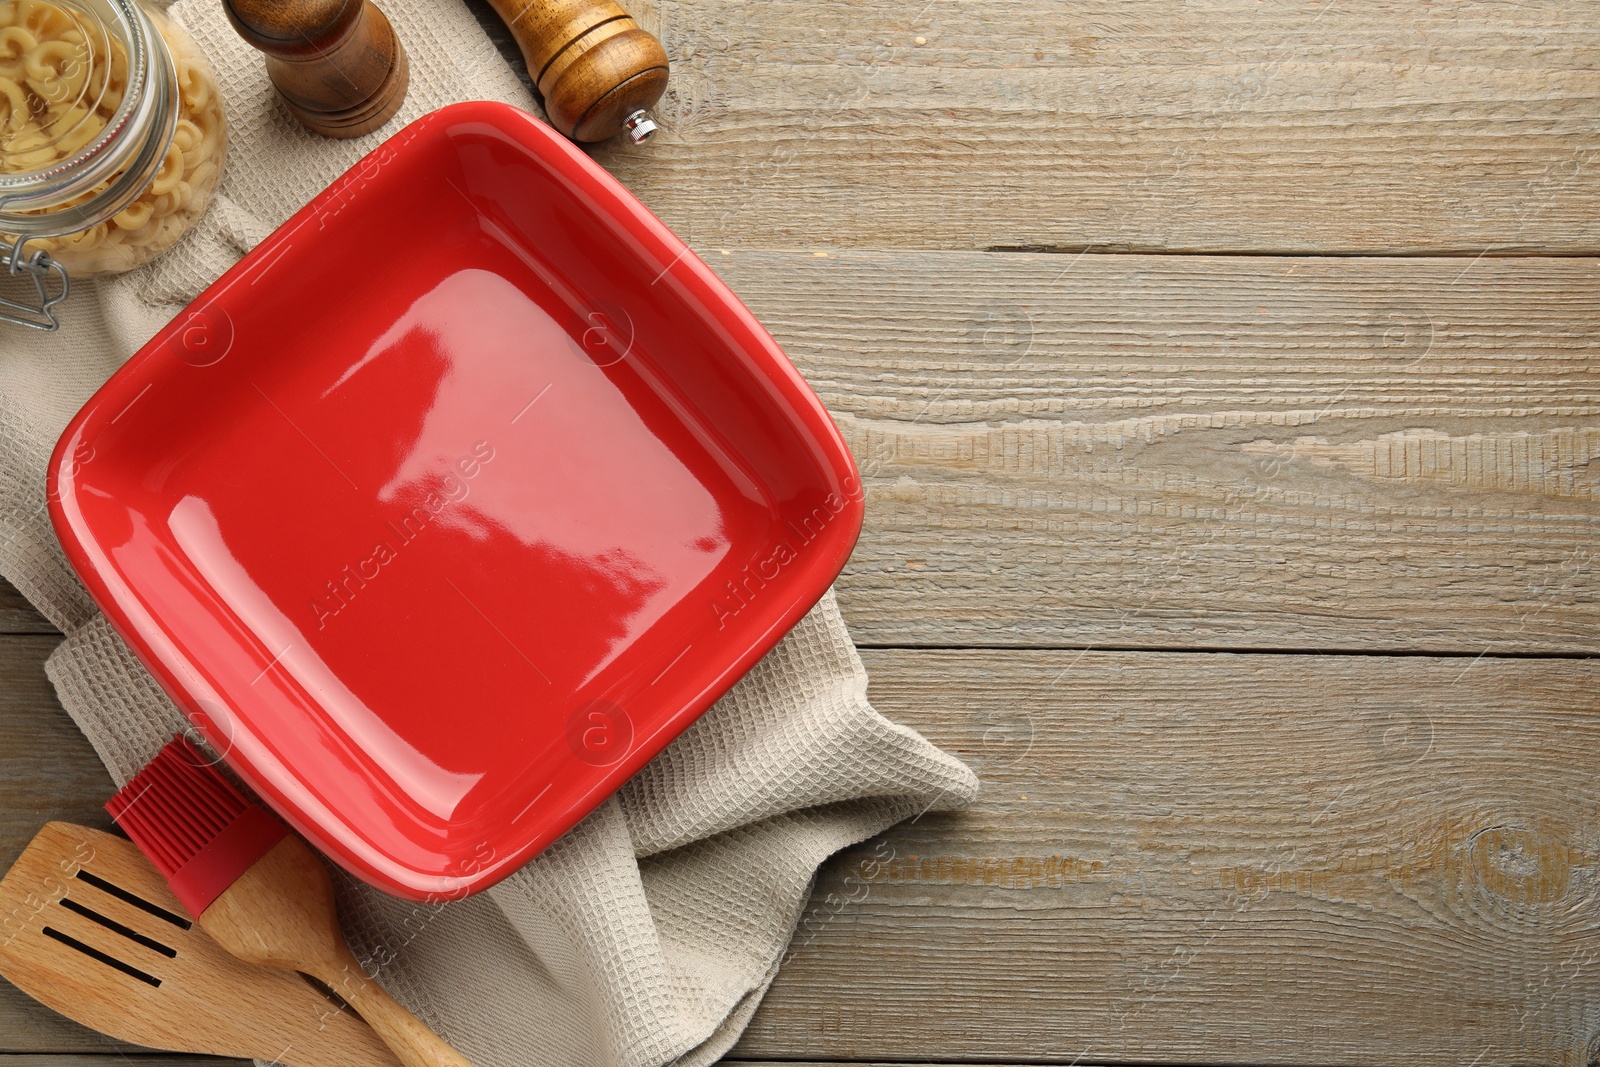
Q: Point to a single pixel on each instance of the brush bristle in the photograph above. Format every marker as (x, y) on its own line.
(176, 806)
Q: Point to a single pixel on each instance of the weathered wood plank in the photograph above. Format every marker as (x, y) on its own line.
(47, 768)
(17, 615)
(1220, 859)
(1246, 452)
(1176, 857)
(1230, 126)
(47, 771)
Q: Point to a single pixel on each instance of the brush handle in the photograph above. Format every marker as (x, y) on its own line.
(280, 913)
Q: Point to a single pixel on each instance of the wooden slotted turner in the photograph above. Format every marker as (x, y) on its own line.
(89, 928)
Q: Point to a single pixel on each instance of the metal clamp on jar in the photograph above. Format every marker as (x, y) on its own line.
(111, 142)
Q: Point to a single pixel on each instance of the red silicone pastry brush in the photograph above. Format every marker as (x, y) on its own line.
(257, 889)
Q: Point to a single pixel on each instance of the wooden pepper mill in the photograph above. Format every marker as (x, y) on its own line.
(337, 64)
(596, 69)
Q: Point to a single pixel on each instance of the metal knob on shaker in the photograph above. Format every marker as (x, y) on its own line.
(598, 71)
(337, 64)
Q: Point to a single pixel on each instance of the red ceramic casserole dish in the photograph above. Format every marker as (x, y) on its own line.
(454, 501)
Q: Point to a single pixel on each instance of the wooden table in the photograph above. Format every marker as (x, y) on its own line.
(1225, 375)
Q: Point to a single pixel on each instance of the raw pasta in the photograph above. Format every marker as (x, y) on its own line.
(61, 80)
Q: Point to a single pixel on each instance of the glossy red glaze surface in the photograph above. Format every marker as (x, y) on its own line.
(454, 501)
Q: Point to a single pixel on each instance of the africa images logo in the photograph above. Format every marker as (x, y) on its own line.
(765, 567)
(452, 489)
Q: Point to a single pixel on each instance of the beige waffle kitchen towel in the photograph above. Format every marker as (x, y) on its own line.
(649, 933)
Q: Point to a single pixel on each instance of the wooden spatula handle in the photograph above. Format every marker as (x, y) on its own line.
(594, 66)
(407, 1036)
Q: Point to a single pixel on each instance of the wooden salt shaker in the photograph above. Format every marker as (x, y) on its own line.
(337, 64)
(597, 70)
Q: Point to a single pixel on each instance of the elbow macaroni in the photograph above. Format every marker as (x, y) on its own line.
(61, 81)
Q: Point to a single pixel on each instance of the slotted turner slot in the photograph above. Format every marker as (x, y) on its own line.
(117, 928)
(105, 958)
(137, 901)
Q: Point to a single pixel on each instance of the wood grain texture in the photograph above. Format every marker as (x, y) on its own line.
(47, 771)
(1206, 858)
(1198, 452)
(593, 64)
(338, 67)
(1202, 452)
(1322, 126)
(1220, 859)
(1210, 858)
(47, 768)
(17, 615)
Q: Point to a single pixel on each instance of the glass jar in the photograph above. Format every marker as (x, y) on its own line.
(111, 142)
